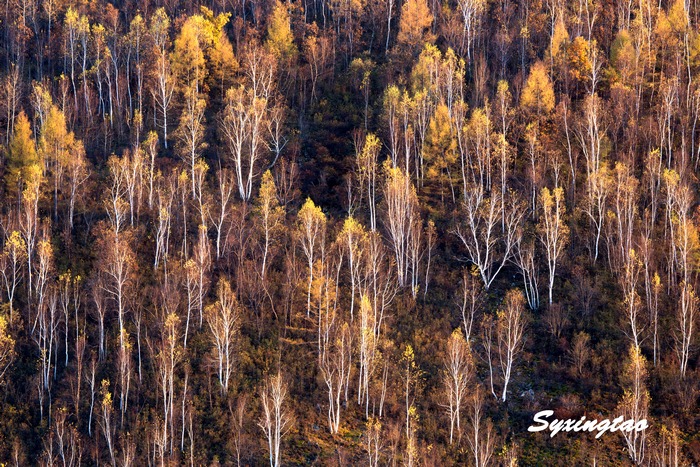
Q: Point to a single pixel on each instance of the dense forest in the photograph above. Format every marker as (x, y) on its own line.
(348, 232)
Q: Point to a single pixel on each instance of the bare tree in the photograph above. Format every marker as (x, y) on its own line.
(431, 240)
(683, 248)
(77, 172)
(224, 318)
(44, 331)
(276, 131)
(488, 247)
(168, 356)
(591, 134)
(11, 92)
(224, 193)
(335, 367)
(99, 310)
(481, 436)
(201, 257)
(416, 251)
(69, 297)
(471, 11)
(510, 329)
(457, 374)
(553, 231)
(595, 205)
(118, 267)
(106, 422)
(686, 322)
(76, 29)
(632, 301)
(190, 132)
(239, 419)
(472, 299)
(67, 439)
(124, 364)
(654, 315)
(202, 194)
(91, 380)
(377, 281)
(580, 352)
(275, 420)
(525, 255)
(667, 447)
(76, 381)
(410, 456)
(373, 442)
(400, 218)
(164, 213)
(623, 202)
(411, 377)
(163, 79)
(487, 340)
(242, 127)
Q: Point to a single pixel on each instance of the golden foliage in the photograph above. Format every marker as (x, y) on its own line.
(416, 20)
(280, 40)
(538, 95)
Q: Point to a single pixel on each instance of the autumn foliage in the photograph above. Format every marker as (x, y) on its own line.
(348, 232)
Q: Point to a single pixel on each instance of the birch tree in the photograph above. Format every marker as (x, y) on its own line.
(623, 201)
(401, 215)
(335, 367)
(489, 231)
(373, 442)
(481, 436)
(270, 215)
(223, 318)
(457, 374)
(275, 420)
(7, 345)
(168, 356)
(510, 329)
(311, 224)
(77, 173)
(190, 133)
(163, 79)
(118, 266)
(367, 174)
(471, 301)
(686, 321)
(553, 231)
(525, 259)
(11, 259)
(224, 193)
(29, 220)
(353, 239)
(595, 206)
(632, 301)
(471, 11)
(105, 420)
(242, 127)
(635, 404)
(367, 347)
